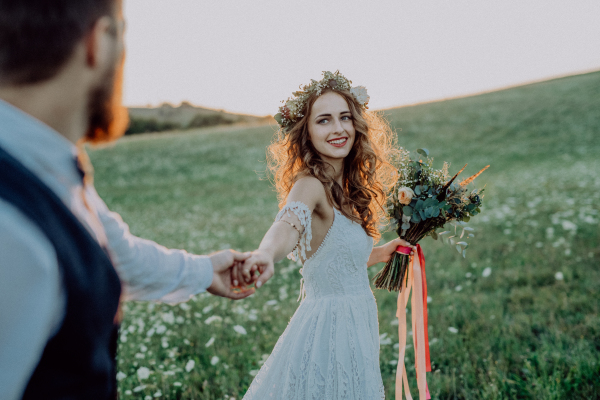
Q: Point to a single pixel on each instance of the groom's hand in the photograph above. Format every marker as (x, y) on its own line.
(223, 263)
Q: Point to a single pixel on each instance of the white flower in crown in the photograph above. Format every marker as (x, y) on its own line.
(360, 94)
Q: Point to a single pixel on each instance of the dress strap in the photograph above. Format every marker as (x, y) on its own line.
(304, 215)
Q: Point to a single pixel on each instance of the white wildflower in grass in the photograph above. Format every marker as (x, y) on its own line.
(507, 231)
(539, 245)
(452, 329)
(150, 332)
(384, 339)
(567, 252)
(164, 344)
(214, 360)
(263, 359)
(486, 272)
(177, 384)
(429, 299)
(207, 309)
(458, 288)
(271, 302)
(394, 322)
(240, 329)
(433, 341)
(128, 392)
(138, 389)
(143, 373)
(190, 365)
(549, 233)
(168, 318)
(559, 276)
(158, 394)
(143, 348)
(396, 346)
(568, 226)
(283, 294)
(161, 329)
(253, 372)
(252, 316)
(139, 355)
(393, 362)
(121, 376)
(210, 342)
(184, 306)
(148, 398)
(468, 275)
(212, 319)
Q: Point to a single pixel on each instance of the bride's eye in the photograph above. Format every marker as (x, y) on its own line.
(322, 121)
(346, 118)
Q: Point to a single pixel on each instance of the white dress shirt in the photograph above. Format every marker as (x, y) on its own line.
(32, 296)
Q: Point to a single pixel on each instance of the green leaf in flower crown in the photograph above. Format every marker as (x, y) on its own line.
(422, 214)
(279, 118)
(407, 210)
(415, 218)
(423, 152)
(425, 187)
(436, 212)
(418, 190)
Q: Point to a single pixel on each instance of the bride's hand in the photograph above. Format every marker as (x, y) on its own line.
(390, 247)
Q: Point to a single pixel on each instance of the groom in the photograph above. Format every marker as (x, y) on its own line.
(65, 259)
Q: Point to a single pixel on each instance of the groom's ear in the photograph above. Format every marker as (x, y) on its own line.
(103, 43)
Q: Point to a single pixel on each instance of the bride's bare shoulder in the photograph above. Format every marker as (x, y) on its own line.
(308, 190)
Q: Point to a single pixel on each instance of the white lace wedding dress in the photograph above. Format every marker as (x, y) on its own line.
(330, 348)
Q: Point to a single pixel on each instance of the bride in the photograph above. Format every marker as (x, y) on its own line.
(331, 163)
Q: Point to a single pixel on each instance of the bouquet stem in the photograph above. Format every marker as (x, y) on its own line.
(391, 276)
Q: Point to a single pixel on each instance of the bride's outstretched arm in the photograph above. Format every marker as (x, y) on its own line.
(384, 252)
(291, 229)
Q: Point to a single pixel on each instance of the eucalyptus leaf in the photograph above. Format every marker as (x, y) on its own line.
(418, 190)
(405, 225)
(463, 243)
(423, 152)
(471, 235)
(407, 210)
(459, 249)
(468, 228)
(279, 118)
(415, 218)
(436, 213)
(464, 253)
(444, 233)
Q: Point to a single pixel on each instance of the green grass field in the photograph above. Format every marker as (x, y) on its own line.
(524, 304)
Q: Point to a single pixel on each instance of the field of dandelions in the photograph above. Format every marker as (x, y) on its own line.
(517, 319)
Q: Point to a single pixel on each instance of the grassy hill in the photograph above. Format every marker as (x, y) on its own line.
(185, 116)
(528, 330)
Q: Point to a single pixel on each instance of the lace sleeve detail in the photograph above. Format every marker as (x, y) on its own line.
(303, 214)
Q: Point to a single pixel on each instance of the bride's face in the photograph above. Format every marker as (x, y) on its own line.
(331, 128)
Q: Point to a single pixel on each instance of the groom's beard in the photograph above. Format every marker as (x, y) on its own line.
(108, 119)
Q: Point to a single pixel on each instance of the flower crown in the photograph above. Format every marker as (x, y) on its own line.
(291, 111)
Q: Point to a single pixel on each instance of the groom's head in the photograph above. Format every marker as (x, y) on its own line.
(73, 46)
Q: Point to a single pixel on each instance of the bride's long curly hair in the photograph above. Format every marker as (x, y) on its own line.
(369, 168)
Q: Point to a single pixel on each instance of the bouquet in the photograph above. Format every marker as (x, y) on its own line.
(424, 200)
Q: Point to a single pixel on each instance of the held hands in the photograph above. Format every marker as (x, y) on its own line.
(259, 260)
(225, 264)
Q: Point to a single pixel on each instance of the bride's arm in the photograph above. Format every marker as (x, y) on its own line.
(384, 252)
(291, 229)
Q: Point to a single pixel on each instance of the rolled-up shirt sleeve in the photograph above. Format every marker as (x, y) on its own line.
(149, 271)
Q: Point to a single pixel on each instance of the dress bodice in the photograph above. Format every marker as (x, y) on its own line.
(339, 266)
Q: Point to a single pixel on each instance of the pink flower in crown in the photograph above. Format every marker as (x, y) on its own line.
(285, 112)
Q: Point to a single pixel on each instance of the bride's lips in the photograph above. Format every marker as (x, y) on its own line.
(340, 142)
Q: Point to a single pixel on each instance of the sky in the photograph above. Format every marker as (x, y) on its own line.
(248, 56)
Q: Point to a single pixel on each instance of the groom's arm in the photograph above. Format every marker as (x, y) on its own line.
(150, 271)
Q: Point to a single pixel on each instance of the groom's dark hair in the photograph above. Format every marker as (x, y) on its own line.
(38, 36)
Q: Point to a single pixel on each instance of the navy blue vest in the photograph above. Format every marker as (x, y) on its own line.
(79, 361)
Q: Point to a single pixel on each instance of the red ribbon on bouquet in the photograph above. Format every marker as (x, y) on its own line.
(417, 280)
